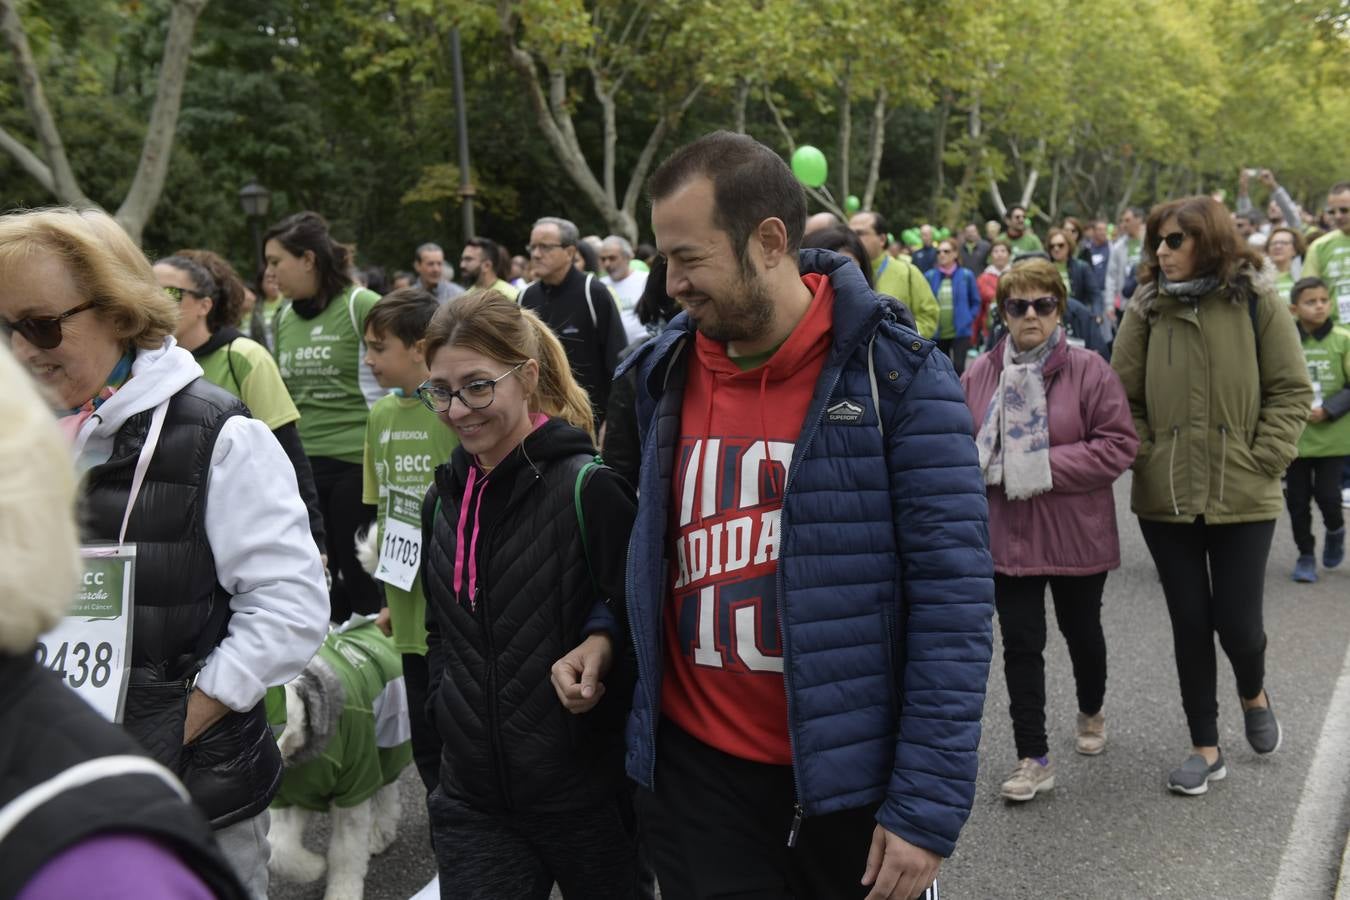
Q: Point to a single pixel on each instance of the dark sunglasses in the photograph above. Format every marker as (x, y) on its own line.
(1058, 245)
(1044, 306)
(43, 332)
(1342, 210)
(1174, 240)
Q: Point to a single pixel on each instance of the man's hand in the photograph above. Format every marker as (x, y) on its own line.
(382, 622)
(202, 713)
(576, 677)
(1317, 415)
(896, 869)
(1268, 179)
(1242, 181)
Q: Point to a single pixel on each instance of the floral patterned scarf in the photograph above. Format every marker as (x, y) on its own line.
(1014, 438)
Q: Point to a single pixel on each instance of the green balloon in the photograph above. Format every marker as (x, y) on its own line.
(852, 204)
(942, 233)
(809, 165)
(911, 237)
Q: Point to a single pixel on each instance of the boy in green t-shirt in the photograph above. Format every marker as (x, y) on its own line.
(404, 444)
(1325, 443)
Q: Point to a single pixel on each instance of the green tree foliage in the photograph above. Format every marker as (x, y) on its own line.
(931, 109)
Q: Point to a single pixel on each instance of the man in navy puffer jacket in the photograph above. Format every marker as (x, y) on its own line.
(810, 585)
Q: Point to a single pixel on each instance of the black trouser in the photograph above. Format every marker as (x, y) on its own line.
(1021, 619)
(339, 486)
(426, 740)
(717, 826)
(956, 350)
(1213, 578)
(1312, 478)
(485, 856)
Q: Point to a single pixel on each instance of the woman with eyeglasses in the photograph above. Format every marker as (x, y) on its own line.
(1076, 274)
(526, 543)
(319, 335)
(1214, 370)
(1054, 434)
(209, 295)
(228, 588)
(1285, 248)
(958, 303)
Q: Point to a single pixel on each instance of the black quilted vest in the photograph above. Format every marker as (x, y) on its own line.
(181, 613)
(46, 730)
(508, 742)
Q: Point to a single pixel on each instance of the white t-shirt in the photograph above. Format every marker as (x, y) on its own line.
(628, 292)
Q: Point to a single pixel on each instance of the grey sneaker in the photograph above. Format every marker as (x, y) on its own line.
(1028, 779)
(1194, 776)
(1263, 729)
(1091, 738)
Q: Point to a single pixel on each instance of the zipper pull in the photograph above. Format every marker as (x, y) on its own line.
(796, 825)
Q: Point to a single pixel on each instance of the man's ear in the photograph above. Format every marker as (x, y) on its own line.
(772, 237)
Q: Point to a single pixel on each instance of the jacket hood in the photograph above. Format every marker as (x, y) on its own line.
(156, 375)
(1246, 281)
(809, 340)
(857, 311)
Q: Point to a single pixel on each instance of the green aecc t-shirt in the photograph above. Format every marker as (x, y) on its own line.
(404, 444)
(245, 368)
(321, 362)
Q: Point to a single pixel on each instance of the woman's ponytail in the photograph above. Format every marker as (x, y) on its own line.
(559, 393)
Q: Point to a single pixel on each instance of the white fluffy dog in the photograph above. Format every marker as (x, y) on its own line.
(346, 738)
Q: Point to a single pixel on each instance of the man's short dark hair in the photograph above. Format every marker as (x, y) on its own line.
(403, 313)
(1014, 208)
(751, 183)
(1250, 215)
(1339, 187)
(491, 250)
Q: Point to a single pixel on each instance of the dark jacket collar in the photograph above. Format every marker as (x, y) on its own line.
(1320, 333)
(572, 281)
(216, 341)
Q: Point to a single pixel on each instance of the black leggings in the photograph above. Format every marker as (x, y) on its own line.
(1213, 578)
(1316, 478)
(339, 486)
(426, 740)
(1021, 619)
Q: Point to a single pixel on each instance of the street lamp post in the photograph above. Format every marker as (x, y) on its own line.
(254, 199)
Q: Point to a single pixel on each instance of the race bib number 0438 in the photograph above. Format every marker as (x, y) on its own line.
(89, 648)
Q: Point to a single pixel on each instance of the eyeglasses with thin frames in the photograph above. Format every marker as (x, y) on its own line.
(43, 332)
(474, 395)
(542, 248)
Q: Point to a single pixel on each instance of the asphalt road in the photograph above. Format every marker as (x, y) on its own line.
(1110, 829)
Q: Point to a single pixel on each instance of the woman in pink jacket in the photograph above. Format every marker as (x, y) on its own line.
(1054, 433)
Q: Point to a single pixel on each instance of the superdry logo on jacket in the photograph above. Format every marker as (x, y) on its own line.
(884, 583)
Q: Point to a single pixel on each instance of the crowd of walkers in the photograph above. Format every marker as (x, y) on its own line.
(711, 534)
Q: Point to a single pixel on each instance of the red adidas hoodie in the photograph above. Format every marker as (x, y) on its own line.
(724, 659)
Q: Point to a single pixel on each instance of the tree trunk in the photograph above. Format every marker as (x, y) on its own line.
(877, 144)
(742, 100)
(53, 169)
(153, 168)
(845, 134)
(939, 148)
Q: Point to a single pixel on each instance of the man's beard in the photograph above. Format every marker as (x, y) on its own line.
(744, 318)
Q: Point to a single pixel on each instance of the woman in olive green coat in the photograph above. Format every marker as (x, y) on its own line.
(1212, 366)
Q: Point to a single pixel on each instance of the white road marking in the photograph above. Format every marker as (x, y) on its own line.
(1314, 839)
